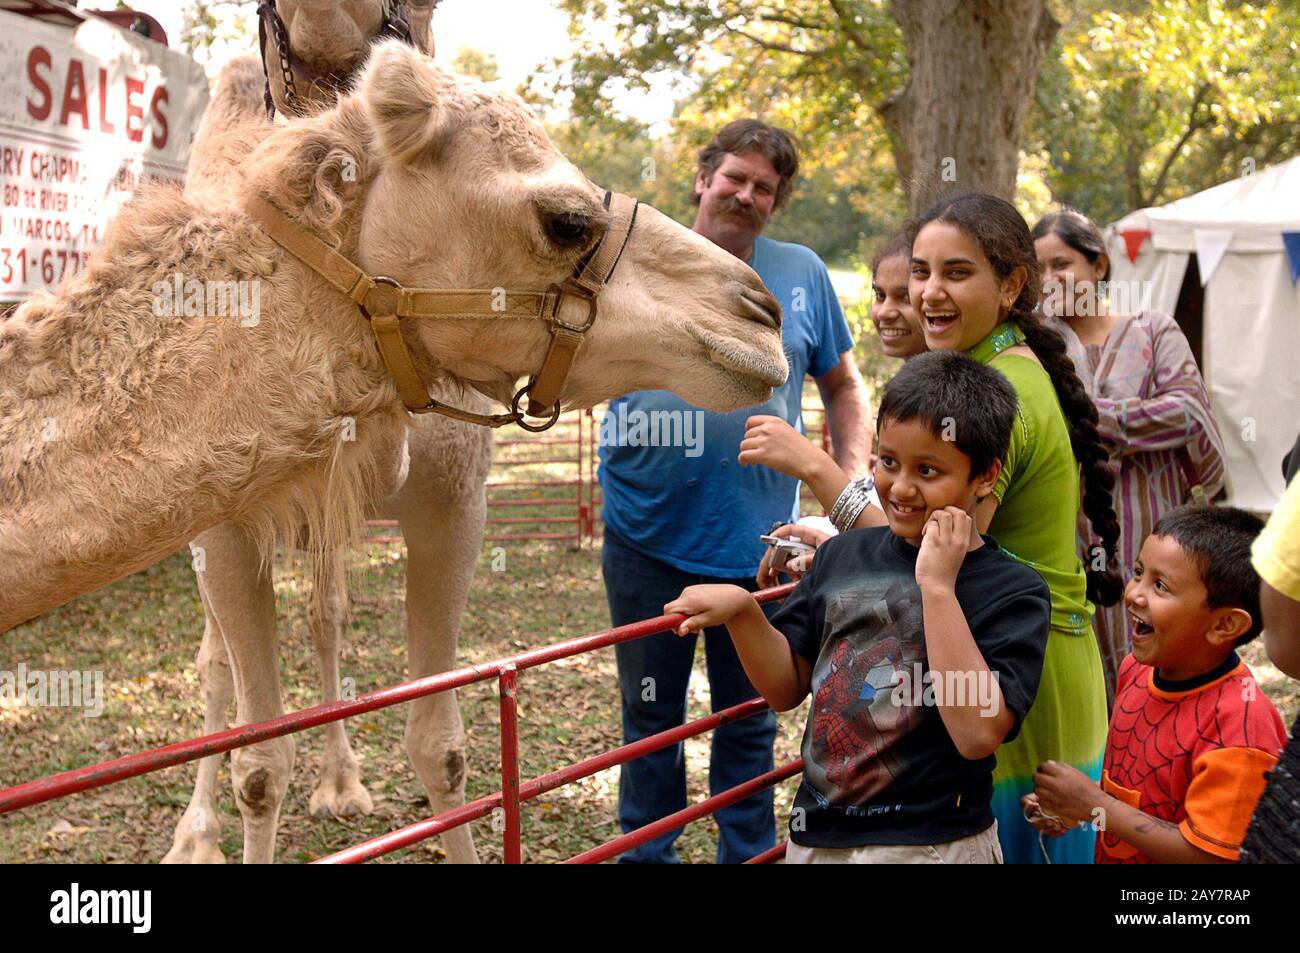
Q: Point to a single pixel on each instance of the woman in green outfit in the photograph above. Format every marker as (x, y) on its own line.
(974, 284)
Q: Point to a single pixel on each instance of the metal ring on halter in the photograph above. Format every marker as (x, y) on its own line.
(519, 414)
(386, 303)
(571, 287)
(382, 281)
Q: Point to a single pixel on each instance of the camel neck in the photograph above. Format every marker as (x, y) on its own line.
(143, 418)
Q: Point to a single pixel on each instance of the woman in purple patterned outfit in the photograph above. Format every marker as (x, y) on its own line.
(1154, 409)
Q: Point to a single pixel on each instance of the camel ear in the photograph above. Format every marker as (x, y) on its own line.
(403, 96)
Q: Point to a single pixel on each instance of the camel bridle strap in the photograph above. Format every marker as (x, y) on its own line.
(385, 303)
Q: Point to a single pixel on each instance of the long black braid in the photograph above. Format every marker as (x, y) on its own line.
(1004, 237)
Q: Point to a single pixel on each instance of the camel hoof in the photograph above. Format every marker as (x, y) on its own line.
(192, 850)
(342, 797)
(195, 840)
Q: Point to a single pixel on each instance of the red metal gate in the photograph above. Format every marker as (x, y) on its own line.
(513, 792)
(524, 477)
(572, 446)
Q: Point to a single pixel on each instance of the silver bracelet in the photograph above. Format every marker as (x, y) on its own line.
(846, 497)
(851, 503)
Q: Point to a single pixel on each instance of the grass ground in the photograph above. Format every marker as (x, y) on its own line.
(143, 632)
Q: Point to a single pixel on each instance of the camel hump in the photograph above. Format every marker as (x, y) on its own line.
(233, 123)
(240, 89)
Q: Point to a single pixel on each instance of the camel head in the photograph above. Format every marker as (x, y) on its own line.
(333, 36)
(455, 185)
(332, 31)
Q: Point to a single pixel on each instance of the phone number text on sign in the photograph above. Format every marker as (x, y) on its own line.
(53, 211)
(89, 115)
(51, 264)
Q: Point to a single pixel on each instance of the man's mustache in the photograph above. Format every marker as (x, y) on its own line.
(733, 206)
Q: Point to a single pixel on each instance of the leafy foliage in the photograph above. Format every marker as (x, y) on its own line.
(210, 24)
(1139, 101)
(1144, 105)
(797, 65)
(480, 65)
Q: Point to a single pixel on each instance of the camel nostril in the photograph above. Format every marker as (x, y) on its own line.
(762, 307)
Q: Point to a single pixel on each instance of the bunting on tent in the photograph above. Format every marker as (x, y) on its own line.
(1211, 243)
(1292, 242)
(1134, 238)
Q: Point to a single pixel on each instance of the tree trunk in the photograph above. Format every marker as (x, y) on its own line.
(973, 64)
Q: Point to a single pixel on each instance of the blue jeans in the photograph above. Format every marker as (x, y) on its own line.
(653, 673)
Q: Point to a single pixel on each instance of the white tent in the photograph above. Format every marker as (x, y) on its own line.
(1250, 350)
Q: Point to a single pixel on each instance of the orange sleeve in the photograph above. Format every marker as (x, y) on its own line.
(1226, 785)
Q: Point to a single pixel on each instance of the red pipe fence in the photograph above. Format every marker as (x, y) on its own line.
(512, 794)
(571, 497)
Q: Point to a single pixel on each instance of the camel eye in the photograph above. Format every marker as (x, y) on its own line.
(568, 229)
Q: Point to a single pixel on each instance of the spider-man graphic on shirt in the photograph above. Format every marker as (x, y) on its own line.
(851, 748)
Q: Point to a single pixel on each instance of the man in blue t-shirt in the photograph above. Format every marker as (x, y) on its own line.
(679, 510)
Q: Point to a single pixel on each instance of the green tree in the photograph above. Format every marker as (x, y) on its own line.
(910, 77)
(476, 63)
(1143, 103)
(1137, 102)
(832, 210)
(209, 24)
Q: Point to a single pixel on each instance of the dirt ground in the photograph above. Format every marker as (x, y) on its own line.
(144, 631)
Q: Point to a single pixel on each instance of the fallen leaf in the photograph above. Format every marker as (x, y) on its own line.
(62, 826)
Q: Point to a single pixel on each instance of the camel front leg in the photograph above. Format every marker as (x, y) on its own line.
(443, 542)
(241, 597)
(339, 792)
(197, 837)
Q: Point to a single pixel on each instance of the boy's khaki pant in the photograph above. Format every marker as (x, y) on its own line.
(982, 848)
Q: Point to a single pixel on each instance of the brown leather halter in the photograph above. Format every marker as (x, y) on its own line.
(293, 69)
(384, 302)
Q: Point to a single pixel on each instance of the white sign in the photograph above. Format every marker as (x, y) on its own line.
(86, 114)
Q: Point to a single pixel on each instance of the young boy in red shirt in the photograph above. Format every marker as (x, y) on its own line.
(1192, 736)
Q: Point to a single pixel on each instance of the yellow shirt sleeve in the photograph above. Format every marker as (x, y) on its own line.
(1276, 552)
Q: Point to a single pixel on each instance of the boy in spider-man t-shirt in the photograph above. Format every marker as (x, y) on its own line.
(921, 643)
(1192, 736)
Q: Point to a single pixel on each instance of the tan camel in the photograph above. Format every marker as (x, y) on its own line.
(124, 433)
(157, 427)
(441, 508)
